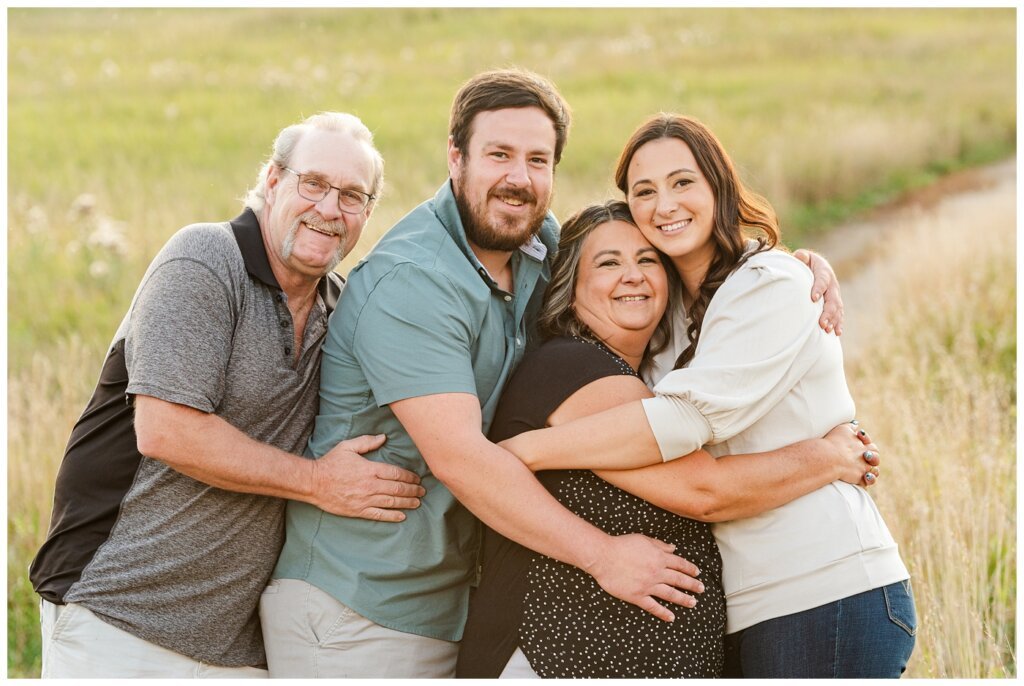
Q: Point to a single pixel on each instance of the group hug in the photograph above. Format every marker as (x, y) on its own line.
(619, 446)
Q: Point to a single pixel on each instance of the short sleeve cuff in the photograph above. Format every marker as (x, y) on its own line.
(678, 426)
(433, 386)
(196, 402)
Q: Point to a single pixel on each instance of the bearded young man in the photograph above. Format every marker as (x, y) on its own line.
(432, 324)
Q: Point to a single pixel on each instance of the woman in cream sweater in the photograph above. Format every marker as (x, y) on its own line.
(816, 587)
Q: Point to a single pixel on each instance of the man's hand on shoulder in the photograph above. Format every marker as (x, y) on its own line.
(347, 484)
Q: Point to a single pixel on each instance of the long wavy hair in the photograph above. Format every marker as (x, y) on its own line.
(739, 213)
(558, 314)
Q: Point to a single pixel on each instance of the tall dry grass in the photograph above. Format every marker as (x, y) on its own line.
(935, 385)
(44, 401)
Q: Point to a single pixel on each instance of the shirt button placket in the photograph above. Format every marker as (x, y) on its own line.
(284, 322)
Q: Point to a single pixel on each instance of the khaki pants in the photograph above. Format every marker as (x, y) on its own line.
(308, 633)
(518, 667)
(79, 645)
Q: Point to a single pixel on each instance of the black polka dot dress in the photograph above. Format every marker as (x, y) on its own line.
(564, 622)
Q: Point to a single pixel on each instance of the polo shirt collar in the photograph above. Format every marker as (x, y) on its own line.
(246, 228)
(249, 237)
(448, 212)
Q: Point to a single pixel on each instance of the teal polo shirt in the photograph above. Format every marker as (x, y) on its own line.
(420, 315)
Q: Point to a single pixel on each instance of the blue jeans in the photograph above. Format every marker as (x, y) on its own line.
(868, 636)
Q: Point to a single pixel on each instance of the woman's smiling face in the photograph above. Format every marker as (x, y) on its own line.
(672, 202)
(621, 286)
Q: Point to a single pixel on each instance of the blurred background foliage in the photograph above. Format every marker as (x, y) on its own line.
(163, 116)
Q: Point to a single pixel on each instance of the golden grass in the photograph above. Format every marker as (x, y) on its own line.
(935, 385)
(44, 400)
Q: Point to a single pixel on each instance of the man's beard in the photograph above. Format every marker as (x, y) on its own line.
(502, 233)
(312, 219)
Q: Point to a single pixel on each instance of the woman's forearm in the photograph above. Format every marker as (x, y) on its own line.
(702, 487)
(619, 438)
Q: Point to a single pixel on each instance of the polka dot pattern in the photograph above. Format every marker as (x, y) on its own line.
(572, 628)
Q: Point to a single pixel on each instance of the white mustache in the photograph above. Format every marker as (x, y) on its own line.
(313, 221)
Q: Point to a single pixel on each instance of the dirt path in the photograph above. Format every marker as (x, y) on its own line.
(857, 249)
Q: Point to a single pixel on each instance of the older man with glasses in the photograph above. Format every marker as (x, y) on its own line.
(167, 516)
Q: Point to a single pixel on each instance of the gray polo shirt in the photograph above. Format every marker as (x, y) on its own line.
(420, 316)
(184, 563)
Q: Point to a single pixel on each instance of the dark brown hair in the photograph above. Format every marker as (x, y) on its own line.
(503, 88)
(739, 213)
(558, 316)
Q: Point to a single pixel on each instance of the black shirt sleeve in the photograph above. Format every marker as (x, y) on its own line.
(98, 468)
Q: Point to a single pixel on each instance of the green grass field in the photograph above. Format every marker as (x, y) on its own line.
(124, 125)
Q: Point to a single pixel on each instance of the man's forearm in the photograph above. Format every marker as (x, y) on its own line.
(505, 495)
(209, 449)
(502, 492)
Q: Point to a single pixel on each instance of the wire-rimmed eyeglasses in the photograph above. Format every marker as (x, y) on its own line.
(313, 188)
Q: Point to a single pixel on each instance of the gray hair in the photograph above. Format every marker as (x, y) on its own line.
(284, 147)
